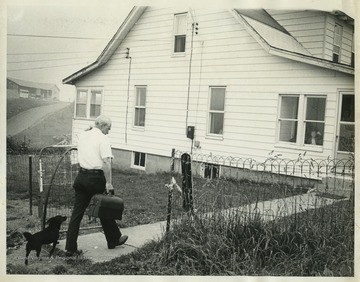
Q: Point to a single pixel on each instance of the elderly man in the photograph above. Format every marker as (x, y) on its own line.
(94, 155)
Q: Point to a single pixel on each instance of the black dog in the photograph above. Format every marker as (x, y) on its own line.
(49, 235)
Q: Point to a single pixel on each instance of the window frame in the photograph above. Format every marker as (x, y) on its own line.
(142, 127)
(133, 158)
(89, 91)
(175, 34)
(338, 36)
(301, 122)
(209, 112)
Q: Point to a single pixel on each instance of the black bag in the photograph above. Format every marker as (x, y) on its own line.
(106, 206)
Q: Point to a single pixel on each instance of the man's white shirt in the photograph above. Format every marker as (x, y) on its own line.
(93, 147)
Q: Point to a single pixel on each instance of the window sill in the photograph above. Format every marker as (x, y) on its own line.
(139, 128)
(138, 167)
(176, 55)
(84, 118)
(309, 148)
(215, 137)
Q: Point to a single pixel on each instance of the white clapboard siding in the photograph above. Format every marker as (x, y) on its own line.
(224, 54)
(307, 27)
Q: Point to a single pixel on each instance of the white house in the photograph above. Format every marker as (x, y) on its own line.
(244, 82)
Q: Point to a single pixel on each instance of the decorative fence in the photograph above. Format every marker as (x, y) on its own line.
(274, 187)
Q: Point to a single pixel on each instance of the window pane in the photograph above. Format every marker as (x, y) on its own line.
(95, 103)
(315, 109)
(95, 110)
(216, 123)
(80, 110)
(288, 131)
(217, 99)
(81, 100)
(140, 117)
(179, 45)
(140, 96)
(142, 159)
(81, 97)
(136, 158)
(347, 138)
(348, 108)
(289, 107)
(180, 24)
(96, 97)
(314, 133)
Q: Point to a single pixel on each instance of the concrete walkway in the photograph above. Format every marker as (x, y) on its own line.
(95, 248)
(31, 117)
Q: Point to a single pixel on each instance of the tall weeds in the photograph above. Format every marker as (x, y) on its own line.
(315, 243)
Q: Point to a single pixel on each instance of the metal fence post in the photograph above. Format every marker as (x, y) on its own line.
(30, 185)
(172, 166)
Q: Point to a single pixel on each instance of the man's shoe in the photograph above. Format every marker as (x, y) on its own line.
(121, 241)
(73, 253)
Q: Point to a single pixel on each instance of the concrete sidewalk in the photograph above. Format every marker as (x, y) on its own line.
(95, 248)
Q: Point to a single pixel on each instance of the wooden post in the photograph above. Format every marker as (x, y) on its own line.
(30, 185)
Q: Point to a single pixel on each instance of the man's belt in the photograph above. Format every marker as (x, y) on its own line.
(91, 171)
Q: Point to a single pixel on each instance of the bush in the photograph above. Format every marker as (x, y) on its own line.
(15, 146)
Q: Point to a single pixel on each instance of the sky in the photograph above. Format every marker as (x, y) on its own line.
(46, 43)
(49, 40)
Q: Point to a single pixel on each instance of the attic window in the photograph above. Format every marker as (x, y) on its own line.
(338, 30)
(180, 26)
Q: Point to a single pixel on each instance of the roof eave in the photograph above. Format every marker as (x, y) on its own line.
(111, 47)
(311, 60)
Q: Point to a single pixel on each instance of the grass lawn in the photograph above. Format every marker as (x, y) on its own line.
(314, 243)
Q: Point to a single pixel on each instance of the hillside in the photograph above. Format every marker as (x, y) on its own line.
(15, 106)
(50, 131)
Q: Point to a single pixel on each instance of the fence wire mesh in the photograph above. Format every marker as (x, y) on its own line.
(273, 189)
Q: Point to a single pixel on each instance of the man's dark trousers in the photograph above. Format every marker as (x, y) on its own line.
(86, 185)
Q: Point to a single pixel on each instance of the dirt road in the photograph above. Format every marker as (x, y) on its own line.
(31, 117)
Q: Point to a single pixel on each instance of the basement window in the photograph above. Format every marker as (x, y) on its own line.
(139, 160)
(211, 171)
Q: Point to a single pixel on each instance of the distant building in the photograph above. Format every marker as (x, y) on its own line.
(29, 89)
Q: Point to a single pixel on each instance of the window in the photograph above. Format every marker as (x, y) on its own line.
(216, 110)
(139, 160)
(140, 101)
(81, 100)
(347, 124)
(211, 171)
(337, 43)
(88, 103)
(180, 27)
(301, 119)
(95, 103)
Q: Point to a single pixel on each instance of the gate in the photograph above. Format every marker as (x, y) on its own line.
(58, 167)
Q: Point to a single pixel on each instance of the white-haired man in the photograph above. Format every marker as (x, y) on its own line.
(94, 155)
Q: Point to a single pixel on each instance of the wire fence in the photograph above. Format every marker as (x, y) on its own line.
(273, 188)
(53, 173)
